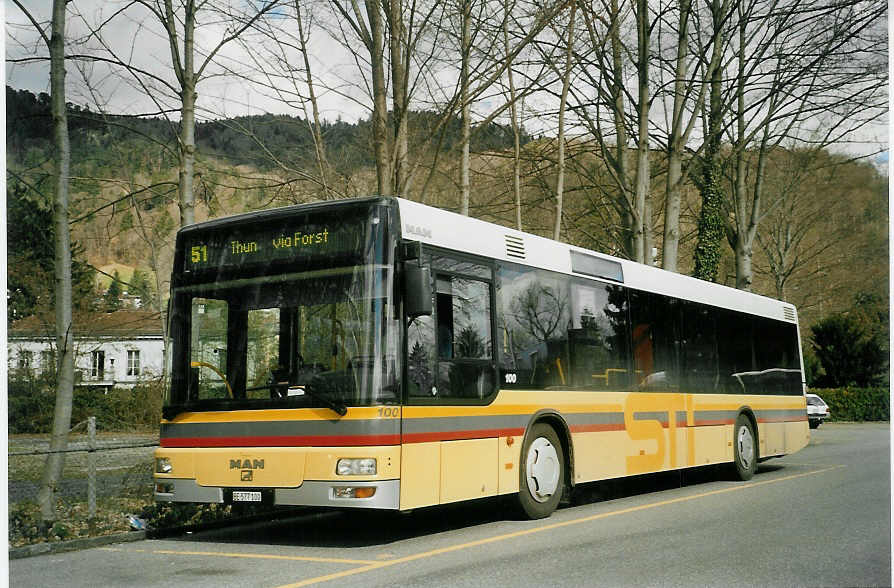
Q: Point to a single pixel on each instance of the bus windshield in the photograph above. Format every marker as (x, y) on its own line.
(270, 337)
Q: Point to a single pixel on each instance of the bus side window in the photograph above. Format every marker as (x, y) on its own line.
(464, 341)
(655, 323)
(421, 356)
(598, 340)
(535, 317)
(698, 357)
(734, 350)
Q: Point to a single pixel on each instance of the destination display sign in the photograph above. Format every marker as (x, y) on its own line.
(262, 244)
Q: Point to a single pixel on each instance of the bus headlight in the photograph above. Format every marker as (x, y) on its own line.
(365, 466)
(163, 465)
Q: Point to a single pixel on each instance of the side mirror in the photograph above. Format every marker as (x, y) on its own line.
(417, 290)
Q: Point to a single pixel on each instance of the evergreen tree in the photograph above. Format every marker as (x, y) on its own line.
(141, 286)
(112, 297)
(30, 238)
(849, 353)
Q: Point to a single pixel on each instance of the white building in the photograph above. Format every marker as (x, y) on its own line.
(111, 349)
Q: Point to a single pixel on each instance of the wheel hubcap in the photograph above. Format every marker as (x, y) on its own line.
(542, 469)
(745, 443)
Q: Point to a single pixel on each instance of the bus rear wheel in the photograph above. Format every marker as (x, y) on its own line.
(745, 448)
(542, 472)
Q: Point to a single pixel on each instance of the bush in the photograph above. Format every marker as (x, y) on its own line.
(31, 406)
(849, 352)
(857, 404)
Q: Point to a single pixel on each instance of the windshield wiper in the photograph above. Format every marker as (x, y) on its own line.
(326, 386)
(282, 389)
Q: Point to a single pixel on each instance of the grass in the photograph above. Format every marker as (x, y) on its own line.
(72, 521)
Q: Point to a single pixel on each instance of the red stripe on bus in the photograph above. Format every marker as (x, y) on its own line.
(282, 441)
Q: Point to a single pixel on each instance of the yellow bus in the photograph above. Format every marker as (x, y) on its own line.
(379, 353)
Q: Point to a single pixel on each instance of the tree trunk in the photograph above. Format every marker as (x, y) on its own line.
(744, 270)
(187, 154)
(465, 51)
(185, 71)
(670, 244)
(316, 133)
(628, 219)
(513, 115)
(563, 100)
(380, 105)
(64, 333)
(649, 237)
(711, 221)
(643, 179)
(399, 72)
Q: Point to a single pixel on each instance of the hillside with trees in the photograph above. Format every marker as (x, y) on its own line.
(826, 219)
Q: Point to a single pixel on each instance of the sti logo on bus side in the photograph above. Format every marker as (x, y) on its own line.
(418, 231)
(246, 464)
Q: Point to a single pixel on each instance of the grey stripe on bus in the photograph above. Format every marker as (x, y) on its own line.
(657, 415)
(464, 423)
(282, 428)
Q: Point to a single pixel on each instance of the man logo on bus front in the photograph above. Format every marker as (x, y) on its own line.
(418, 231)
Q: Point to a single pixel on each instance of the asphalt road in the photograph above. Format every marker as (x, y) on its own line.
(821, 517)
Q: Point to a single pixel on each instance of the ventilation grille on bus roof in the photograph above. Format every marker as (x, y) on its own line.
(788, 313)
(515, 247)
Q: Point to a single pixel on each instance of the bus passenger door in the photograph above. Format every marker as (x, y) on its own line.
(450, 364)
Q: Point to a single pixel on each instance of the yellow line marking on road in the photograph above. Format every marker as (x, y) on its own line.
(251, 556)
(497, 538)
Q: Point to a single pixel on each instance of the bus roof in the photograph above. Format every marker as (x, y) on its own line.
(450, 230)
(442, 228)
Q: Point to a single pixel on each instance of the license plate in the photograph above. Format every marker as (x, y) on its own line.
(246, 496)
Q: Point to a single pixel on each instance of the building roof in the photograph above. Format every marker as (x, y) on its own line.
(122, 324)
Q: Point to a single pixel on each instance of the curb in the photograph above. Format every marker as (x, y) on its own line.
(74, 545)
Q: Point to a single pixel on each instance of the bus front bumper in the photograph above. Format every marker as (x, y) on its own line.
(378, 494)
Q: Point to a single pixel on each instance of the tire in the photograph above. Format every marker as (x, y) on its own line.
(541, 472)
(745, 448)
(815, 424)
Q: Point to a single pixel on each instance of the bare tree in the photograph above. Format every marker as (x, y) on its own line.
(316, 133)
(807, 218)
(65, 350)
(612, 113)
(513, 120)
(465, 49)
(792, 68)
(711, 221)
(691, 69)
(190, 63)
(563, 101)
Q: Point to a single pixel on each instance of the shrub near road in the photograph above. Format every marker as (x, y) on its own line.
(31, 406)
(857, 404)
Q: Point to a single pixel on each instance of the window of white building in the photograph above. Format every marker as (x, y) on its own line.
(133, 362)
(26, 359)
(98, 364)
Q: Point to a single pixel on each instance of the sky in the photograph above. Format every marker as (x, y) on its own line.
(137, 38)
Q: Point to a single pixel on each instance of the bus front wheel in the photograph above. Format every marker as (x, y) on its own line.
(745, 448)
(542, 472)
